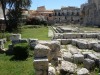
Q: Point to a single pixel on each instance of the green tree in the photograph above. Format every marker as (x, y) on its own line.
(15, 10)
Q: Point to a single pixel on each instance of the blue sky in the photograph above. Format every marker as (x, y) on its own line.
(56, 4)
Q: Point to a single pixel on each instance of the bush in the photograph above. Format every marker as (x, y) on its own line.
(21, 51)
(35, 21)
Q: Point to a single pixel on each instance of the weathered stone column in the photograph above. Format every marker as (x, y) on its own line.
(41, 59)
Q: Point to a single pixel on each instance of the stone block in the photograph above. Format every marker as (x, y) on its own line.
(78, 58)
(58, 36)
(83, 35)
(15, 37)
(91, 45)
(4, 40)
(91, 35)
(65, 41)
(67, 56)
(82, 45)
(74, 42)
(96, 47)
(73, 50)
(51, 71)
(98, 36)
(70, 36)
(92, 56)
(86, 54)
(67, 68)
(41, 64)
(33, 42)
(15, 42)
(83, 71)
(54, 46)
(59, 40)
(89, 64)
(79, 35)
(41, 72)
(1, 41)
(1, 44)
(41, 51)
(66, 36)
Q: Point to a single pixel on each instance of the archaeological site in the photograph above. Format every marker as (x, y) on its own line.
(64, 41)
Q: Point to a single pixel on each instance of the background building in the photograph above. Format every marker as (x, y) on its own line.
(43, 14)
(67, 15)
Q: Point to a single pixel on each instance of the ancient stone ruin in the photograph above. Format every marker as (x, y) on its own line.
(69, 52)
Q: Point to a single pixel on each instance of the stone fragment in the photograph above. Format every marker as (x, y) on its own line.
(15, 37)
(41, 51)
(98, 36)
(82, 45)
(51, 71)
(78, 58)
(96, 47)
(4, 40)
(67, 68)
(83, 71)
(65, 41)
(1, 44)
(41, 63)
(33, 42)
(41, 66)
(15, 42)
(86, 54)
(67, 56)
(89, 64)
(72, 49)
(92, 56)
(74, 42)
(54, 46)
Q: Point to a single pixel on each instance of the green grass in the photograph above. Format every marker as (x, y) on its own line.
(38, 33)
(8, 67)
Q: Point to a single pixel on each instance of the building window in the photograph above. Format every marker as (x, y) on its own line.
(63, 14)
(50, 15)
(59, 14)
(55, 14)
(77, 14)
(65, 17)
(67, 13)
(72, 13)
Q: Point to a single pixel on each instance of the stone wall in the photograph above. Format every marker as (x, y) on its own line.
(91, 13)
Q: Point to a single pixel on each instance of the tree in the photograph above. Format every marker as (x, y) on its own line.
(15, 10)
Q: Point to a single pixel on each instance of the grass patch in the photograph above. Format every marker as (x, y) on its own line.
(40, 33)
(8, 67)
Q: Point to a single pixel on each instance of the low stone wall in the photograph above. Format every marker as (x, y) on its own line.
(76, 35)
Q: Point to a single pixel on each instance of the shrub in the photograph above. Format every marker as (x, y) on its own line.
(21, 51)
